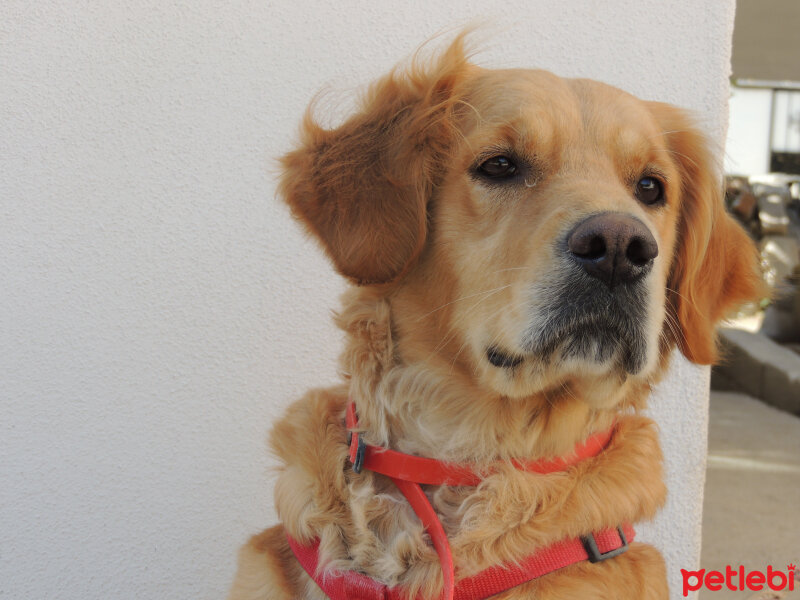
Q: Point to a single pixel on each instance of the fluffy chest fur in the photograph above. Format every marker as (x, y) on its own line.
(365, 524)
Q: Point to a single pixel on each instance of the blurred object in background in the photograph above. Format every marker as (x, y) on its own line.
(763, 156)
(753, 478)
(782, 317)
(740, 200)
(761, 350)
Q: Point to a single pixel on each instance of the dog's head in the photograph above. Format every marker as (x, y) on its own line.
(533, 229)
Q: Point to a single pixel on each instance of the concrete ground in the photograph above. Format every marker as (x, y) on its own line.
(751, 512)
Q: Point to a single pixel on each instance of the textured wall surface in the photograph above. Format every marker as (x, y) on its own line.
(159, 308)
(747, 147)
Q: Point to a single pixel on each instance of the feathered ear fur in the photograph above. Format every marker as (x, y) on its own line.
(715, 268)
(363, 187)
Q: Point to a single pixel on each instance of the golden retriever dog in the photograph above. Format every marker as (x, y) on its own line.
(525, 251)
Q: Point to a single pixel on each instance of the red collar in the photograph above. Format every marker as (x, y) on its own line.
(408, 472)
(438, 472)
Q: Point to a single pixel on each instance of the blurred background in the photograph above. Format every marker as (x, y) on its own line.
(752, 500)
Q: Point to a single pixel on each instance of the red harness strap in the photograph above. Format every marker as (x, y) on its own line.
(408, 472)
(436, 472)
(351, 585)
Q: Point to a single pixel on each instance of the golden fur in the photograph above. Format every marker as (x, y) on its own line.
(444, 266)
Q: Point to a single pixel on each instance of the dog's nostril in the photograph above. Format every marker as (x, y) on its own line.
(635, 253)
(597, 248)
(588, 247)
(640, 251)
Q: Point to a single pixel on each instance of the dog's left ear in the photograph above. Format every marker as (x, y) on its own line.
(715, 267)
(363, 188)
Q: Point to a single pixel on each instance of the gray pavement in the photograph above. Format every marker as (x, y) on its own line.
(751, 511)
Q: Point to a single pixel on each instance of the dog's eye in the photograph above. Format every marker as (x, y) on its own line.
(497, 167)
(649, 190)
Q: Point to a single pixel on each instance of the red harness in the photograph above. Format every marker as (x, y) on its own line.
(408, 472)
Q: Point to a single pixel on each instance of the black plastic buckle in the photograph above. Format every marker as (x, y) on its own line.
(594, 552)
(361, 448)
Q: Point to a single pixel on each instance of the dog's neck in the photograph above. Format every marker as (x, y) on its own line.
(416, 399)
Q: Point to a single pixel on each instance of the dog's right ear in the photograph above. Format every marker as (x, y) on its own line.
(362, 189)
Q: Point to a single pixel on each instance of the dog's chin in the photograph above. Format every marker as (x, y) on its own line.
(593, 356)
(595, 348)
(577, 333)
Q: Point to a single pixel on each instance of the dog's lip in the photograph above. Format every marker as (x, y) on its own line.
(588, 325)
(595, 328)
(502, 359)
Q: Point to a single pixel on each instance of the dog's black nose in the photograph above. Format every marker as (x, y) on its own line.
(613, 247)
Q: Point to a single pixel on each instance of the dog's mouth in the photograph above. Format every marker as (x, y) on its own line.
(594, 324)
(583, 324)
(502, 359)
(597, 341)
(600, 341)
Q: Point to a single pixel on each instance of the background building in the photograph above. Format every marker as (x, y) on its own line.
(764, 130)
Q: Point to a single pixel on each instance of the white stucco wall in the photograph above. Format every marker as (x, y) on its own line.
(158, 308)
(747, 147)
